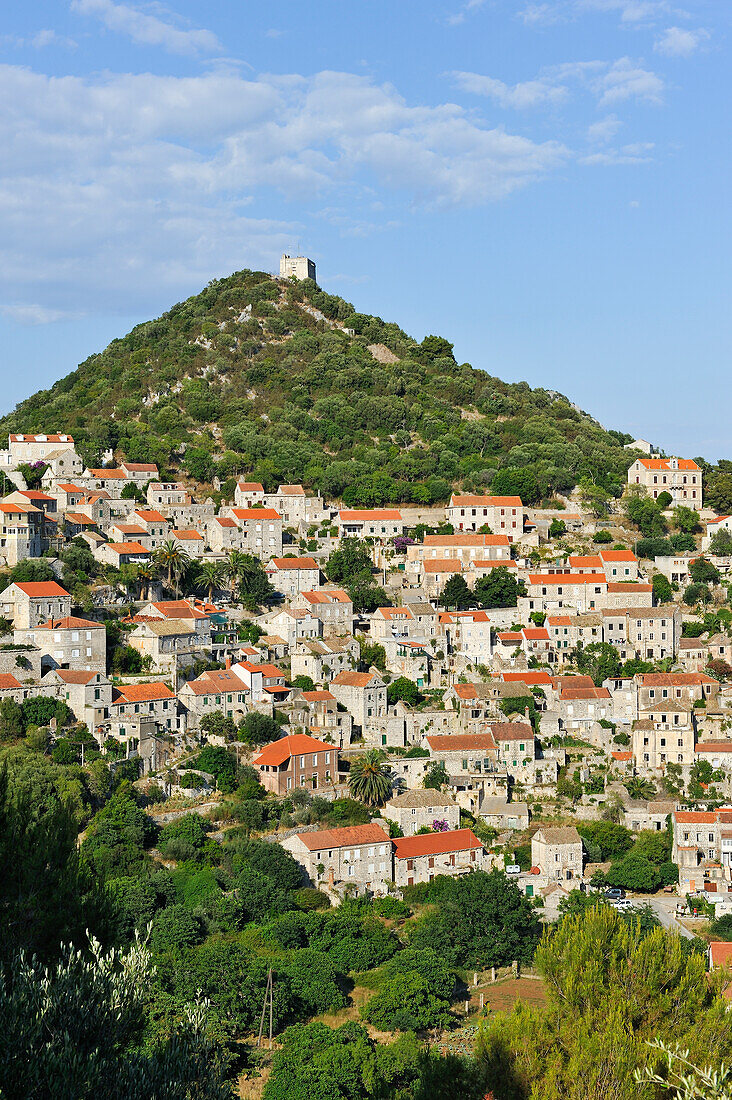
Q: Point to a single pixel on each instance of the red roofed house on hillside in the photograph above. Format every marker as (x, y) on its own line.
(317, 712)
(248, 493)
(30, 604)
(504, 515)
(702, 849)
(681, 478)
(420, 858)
(332, 607)
(123, 553)
(265, 682)
(70, 642)
(363, 694)
(136, 708)
(292, 576)
(467, 633)
(298, 761)
(361, 523)
(359, 855)
(259, 531)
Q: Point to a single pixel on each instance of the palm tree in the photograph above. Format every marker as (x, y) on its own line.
(173, 558)
(371, 778)
(210, 577)
(234, 567)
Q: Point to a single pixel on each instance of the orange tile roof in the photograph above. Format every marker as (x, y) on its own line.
(573, 681)
(142, 693)
(250, 486)
(354, 515)
(69, 487)
(140, 467)
(79, 519)
(225, 521)
(112, 474)
(291, 491)
(528, 678)
(461, 742)
(353, 679)
(463, 616)
(559, 620)
(665, 463)
(187, 534)
(41, 439)
(34, 494)
(568, 693)
(510, 636)
(568, 578)
(435, 844)
(150, 515)
(675, 679)
(256, 513)
(622, 757)
(537, 634)
(512, 731)
(8, 682)
(584, 561)
(618, 555)
(295, 563)
(70, 676)
(297, 744)
(71, 622)
(347, 837)
(40, 590)
(474, 500)
(129, 528)
(466, 538)
(494, 563)
(720, 954)
(713, 746)
(128, 548)
(442, 565)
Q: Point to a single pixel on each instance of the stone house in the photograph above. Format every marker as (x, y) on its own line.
(31, 603)
(681, 478)
(219, 691)
(357, 854)
(71, 642)
(333, 607)
(292, 576)
(466, 634)
(377, 523)
(87, 693)
(363, 694)
(420, 808)
(420, 858)
(317, 712)
(702, 848)
(298, 761)
(324, 659)
(503, 815)
(504, 515)
(259, 531)
(247, 494)
(557, 852)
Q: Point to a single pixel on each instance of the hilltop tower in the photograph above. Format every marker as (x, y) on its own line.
(296, 267)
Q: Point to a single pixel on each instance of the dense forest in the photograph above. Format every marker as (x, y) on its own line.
(283, 382)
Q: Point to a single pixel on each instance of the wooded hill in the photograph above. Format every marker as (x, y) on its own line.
(282, 382)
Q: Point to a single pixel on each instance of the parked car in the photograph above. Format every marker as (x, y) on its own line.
(614, 893)
(622, 903)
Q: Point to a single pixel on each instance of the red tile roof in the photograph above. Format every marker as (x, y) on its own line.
(295, 563)
(665, 463)
(353, 679)
(318, 696)
(474, 500)
(720, 954)
(142, 693)
(550, 579)
(150, 515)
(434, 844)
(347, 837)
(250, 486)
(41, 439)
(256, 513)
(466, 538)
(618, 555)
(297, 744)
(71, 622)
(70, 676)
(40, 590)
(8, 682)
(512, 731)
(461, 742)
(128, 548)
(530, 678)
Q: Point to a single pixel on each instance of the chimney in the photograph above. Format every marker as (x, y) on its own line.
(228, 665)
(331, 878)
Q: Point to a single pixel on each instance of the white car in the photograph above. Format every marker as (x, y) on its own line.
(622, 903)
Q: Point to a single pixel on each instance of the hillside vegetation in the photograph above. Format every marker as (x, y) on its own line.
(258, 377)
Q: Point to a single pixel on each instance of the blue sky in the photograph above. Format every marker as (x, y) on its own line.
(544, 183)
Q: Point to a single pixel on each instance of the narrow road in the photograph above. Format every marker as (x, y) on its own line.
(665, 910)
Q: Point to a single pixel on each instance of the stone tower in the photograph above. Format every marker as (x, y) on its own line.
(296, 267)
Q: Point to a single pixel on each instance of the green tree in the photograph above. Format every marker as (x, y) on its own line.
(482, 920)
(74, 1030)
(612, 988)
(499, 588)
(703, 572)
(662, 590)
(722, 543)
(370, 778)
(11, 720)
(405, 690)
(600, 660)
(258, 729)
(174, 560)
(686, 519)
(436, 776)
(456, 595)
(405, 1003)
(635, 872)
(557, 528)
(211, 577)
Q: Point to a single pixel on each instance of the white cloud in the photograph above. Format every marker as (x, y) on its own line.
(678, 42)
(603, 130)
(148, 30)
(48, 37)
(120, 189)
(34, 314)
(637, 153)
(627, 80)
(632, 13)
(461, 15)
(530, 93)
